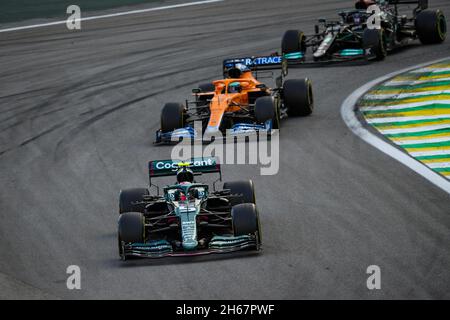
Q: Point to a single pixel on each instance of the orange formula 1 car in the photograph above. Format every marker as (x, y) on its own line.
(237, 104)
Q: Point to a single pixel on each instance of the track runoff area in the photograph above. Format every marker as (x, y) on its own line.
(412, 110)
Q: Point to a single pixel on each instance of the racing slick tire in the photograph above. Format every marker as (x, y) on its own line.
(172, 117)
(246, 188)
(431, 26)
(293, 41)
(375, 40)
(131, 229)
(245, 219)
(129, 196)
(298, 97)
(207, 87)
(266, 109)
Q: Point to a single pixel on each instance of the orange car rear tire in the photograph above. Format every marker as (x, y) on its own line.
(266, 109)
(298, 97)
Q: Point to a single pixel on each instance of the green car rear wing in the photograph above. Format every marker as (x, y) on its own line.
(167, 168)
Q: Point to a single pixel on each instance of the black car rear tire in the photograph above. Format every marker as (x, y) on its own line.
(246, 188)
(293, 41)
(129, 196)
(266, 109)
(431, 26)
(172, 117)
(375, 40)
(245, 220)
(298, 97)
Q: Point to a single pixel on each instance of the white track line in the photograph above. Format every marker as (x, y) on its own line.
(425, 103)
(349, 116)
(405, 119)
(409, 82)
(414, 129)
(406, 143)
(439, 165)
(405, 95)
(112, 15)
(430, 153)
(431, 70)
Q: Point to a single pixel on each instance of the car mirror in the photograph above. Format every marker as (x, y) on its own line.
(196, 90)
(261, 86)
(316, 29)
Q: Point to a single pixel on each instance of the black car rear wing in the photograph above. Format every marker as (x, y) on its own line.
(421, 4)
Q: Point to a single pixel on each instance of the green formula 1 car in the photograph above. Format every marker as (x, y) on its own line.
(188, 219)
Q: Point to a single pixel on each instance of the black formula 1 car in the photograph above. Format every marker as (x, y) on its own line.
(357, 36)
(188, 219)
(238, 104)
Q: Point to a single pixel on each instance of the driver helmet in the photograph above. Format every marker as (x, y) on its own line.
(364, 4)
(234, 87)
(242, 67)
(354, 18)
(185, 175)
(237, 71)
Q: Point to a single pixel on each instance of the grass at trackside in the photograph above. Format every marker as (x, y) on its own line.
(18, 10)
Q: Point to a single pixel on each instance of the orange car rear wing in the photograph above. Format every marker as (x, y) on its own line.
(273, 62)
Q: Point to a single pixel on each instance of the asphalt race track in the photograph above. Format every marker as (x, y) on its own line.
(78, 114)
